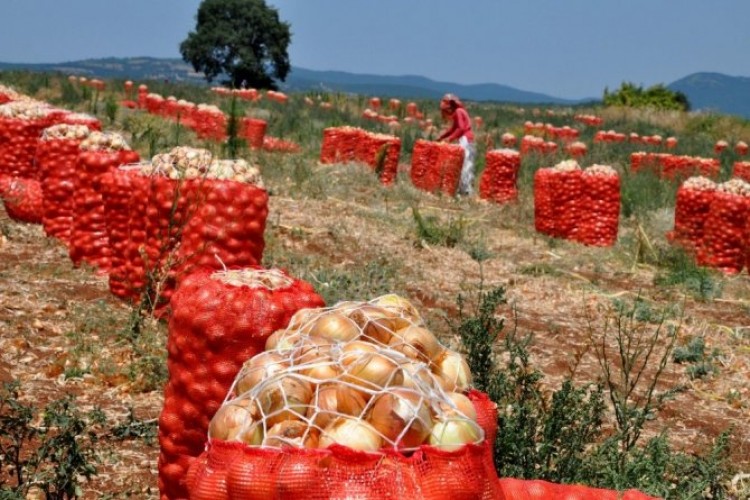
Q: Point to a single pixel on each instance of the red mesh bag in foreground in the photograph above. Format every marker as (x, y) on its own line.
(436, 166)
(499, 181)
(254, 130)
(22, 198)
(88, 238)
(233, 471)
(226, 228)
(519, 489)
(724, 244)
(599, 207)
(693, 203)
(118, 191)
(220, 320)
(741, 170)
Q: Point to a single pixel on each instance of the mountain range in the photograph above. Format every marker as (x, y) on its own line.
(705, 91)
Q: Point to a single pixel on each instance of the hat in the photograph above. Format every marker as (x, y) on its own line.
(448, 99)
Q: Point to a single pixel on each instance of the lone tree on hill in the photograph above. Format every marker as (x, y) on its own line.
(241, 39)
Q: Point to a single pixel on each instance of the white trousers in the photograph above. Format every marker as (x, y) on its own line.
(466, 184)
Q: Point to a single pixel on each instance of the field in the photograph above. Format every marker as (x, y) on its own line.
(353, 239)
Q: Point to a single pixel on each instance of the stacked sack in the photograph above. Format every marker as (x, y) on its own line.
(57, 159)
(21, 126)
(352, 144)
(99, 153)
(680, 167)
(741, 169)
(436, 166)
(558, 195)
(499, 181)
(22, 198)
(83, 119)
(692, 206)
(220, 320)
(359, 400)
(600, 207)
(254, 130)
(724, 245)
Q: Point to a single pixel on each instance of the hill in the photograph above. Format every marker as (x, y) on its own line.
(716, 92)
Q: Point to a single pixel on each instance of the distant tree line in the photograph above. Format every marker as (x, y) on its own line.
(657, 97)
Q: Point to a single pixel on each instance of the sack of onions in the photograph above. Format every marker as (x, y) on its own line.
(693, 203)
(436, 166)
(741, 170)
(499, 180)
(253, 130)
(741, 148)
(340, 144)
(599, 210)
(380, 151)
(520, 489)
(92, 123)
(221, 319)
(7, 94)
(22, 198)
(724, 244)
(99, 153)
(21, 125)
(355, 400)
(57, 157)
(557, 199)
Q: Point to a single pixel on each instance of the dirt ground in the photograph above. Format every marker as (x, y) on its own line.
(561, 293)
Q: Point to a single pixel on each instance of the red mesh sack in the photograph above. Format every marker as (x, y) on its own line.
(519, 489)
(56, 158)
(691, 210)
(134, 264)
(599, 207)
(117, 188)
(18, 141)
(87, 121)
(544, 207)
(741, 169)
(424, 154)
(220, 320)
(499, 181)
(340, 144)
(254, 130)
(230, 470)
(22, 198)
(380, 151)
(566, 187)
(226, 228)
(88, 237)
(724, 244)
(436, 166)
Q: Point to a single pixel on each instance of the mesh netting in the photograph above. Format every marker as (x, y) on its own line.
(351, 144)
(724, 243)
(22, 198)
(519, 489)
(691, 210)
(220, 319)
(253, 130)
(360, 398)
(436, 166)
(599, 208)
(741, 170)
(499, 181)
(557, 199)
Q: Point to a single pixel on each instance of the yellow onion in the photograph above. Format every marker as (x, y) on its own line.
(302, 319)
(258, 368)
(237, 421)
(416, 343)
(292, 433)
(462, 406)
(402, 416)
(358, 348)
(377, 324)
(451, 433)
(372, 371)
(399, 306)
(320, 368)
(418, 377)
(285, 399)
(310, 348)
(452, 371)
(282, 340)
(335, 327)
(351, 432)
(333, 401)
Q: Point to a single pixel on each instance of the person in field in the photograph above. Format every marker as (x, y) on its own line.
(460, 130)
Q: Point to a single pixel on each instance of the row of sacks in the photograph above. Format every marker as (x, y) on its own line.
(713, 222)
(578, 205)
(668, 166)
(351, 144)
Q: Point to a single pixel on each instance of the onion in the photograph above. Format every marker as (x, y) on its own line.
(372, 371)
(237, 421)
(402, 416)
(333, 401)
(292, 433)
(356, 434)
(258, 368)
(399, 306)
(282, 340)
(462, 406)
(319, 366)
(453, 371)
(416, 343)
(286, 399)
(377, 324)
(452, 433)
(302, 319)
(358, 347)
(335, 327)
(418, 377)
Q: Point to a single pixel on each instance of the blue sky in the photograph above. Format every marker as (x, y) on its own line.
(565, 48)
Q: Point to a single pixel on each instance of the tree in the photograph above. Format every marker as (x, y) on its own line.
(243, 41)
(657, 97)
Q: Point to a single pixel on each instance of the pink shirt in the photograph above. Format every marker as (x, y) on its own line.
(461, 127)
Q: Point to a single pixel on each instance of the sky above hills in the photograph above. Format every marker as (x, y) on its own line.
(565, 48)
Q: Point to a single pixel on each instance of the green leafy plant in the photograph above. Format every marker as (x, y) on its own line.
(433, 232)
